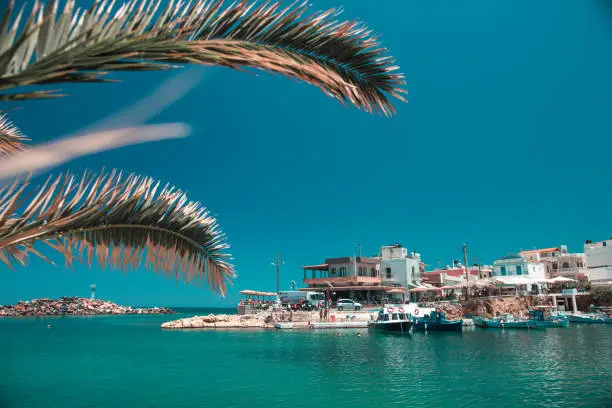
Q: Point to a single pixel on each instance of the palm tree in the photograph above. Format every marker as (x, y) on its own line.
(125, 220)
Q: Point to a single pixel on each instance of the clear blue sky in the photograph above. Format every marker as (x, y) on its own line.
(504, 144)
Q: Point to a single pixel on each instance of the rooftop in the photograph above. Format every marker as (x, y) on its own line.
(453, 272)
(540, 251)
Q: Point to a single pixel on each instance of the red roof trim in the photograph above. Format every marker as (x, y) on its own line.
(540, 251)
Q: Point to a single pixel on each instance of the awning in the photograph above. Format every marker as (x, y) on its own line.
(248, 292)
(396, 290)
(321, 267)
(353, 288)
(423, 289)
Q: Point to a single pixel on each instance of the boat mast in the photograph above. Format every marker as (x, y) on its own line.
(467, 277)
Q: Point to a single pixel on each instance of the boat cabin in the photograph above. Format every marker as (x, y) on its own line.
(545, 312)
(392, 313)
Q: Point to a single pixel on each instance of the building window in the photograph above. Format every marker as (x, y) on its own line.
(565, 265)
(373, 272)
(555, 265)
(343, 271)
(519, 270)
(333, 272)
(388, 270)
(361, 271)
(503, 271)
(413, 274)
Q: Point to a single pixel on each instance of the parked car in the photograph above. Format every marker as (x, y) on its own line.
(347, 304)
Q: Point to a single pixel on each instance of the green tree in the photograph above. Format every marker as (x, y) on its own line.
(602, 294)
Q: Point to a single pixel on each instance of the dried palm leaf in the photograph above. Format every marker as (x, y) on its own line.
(120, 221)
(342, 58)
(11, 138)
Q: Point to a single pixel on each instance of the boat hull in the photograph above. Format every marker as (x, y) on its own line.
(588, 319)
(402, 326)
(528, 324)
(552, 323)
(429, 325)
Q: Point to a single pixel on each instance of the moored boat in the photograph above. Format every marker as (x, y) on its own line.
(589, 318)
(507, 321)
(548, 316)
(392, 318)
(436, 321)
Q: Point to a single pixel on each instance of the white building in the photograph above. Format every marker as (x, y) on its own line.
(518, 270)
(599, 261)
(400, 267)
(559, 262)
(516, 265)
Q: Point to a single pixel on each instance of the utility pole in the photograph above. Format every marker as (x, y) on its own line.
(278, 264)
(465, 262)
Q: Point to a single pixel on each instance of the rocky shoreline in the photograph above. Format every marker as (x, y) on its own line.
(223, 321)
(75, 306)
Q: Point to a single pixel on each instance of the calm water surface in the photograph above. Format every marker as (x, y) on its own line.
(128, 361)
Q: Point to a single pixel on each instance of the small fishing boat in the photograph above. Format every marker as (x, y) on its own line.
(594, 316)
(548, 316)
(507, 321)
(392, 318)
(589, 318)
(436, 321)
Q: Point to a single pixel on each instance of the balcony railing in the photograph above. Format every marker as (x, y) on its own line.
(342, 280)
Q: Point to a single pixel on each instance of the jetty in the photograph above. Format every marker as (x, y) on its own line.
(75, 306)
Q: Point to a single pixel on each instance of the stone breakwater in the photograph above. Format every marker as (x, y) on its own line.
(76, 307)
(261, 320)
(224, 321)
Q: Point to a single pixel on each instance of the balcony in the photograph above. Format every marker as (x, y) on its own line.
(343, 280)
(568, 272)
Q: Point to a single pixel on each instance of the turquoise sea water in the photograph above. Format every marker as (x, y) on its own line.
(128, 361)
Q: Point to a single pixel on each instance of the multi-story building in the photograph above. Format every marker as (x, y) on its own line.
(559, 262)
(599, 261)
(400, 267)
(352, 278)
(450, 276)
(517, 272)
(517, 265)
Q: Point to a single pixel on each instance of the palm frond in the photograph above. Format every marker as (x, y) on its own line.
(122, 221)
(11, 138)
(342, 58)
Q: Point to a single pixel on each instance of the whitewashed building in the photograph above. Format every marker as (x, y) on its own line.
(516, 265)
(599, 261)
(400, 267)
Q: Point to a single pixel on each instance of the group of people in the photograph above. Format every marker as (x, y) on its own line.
(256, 304)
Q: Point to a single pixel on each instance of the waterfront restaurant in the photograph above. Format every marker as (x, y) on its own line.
(356, 278)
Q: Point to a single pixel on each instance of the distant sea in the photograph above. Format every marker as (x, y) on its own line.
(128, 361)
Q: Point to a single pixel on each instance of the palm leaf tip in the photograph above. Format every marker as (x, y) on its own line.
(342, 58)
(11, 138)
(120, 221)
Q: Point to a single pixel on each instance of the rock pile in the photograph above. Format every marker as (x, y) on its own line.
(452, 312)
(518, 306)
(75, 306)
(260, 320)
